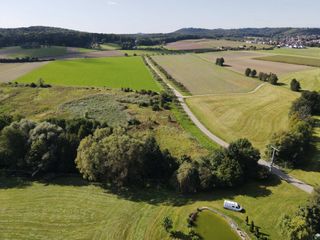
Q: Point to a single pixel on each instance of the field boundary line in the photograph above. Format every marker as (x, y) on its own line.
(223, 94)
(275, 169)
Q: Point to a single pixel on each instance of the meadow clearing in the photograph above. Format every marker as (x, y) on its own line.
(239, 61)
(203, 77)
(77, 210)
(103, 72)
(194, 44)
(255, 116)
(306, 52)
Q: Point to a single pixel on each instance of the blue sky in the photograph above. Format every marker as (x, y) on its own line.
(133, 16)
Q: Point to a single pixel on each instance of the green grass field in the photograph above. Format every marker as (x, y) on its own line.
(34, 52)
(110, 46)
(255, 116)
(203, 77)
(309, 79)
(313, 62)
(70, 209)
(103, 72)
(308, 52)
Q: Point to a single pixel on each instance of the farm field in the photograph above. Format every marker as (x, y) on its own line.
(208, 44)
(239, 61)
(203, 77)
(12, 71)
(307, 52)
(309, 79)
(76, 210)
(313, 62)
(103, 72)
(255, 116)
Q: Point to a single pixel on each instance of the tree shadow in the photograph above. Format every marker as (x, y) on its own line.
(65, 180)
(7, 181)
(163, 196)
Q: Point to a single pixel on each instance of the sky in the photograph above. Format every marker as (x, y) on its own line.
(149, 16)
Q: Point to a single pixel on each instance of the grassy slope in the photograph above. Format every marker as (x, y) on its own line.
(110, 72)
(309, 80)
(70, 209)
(202, 77)
(255, 116)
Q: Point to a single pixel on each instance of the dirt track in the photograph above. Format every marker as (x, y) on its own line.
(11, 71)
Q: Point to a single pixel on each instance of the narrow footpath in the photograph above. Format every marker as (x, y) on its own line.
(275, 169)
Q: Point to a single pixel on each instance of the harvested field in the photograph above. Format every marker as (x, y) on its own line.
(195, 44)
(239, 61)
(13, 52)
(203, 77)
(12, 71)
(255, 116)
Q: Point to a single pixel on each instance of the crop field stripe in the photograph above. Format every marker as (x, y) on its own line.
(202, 77)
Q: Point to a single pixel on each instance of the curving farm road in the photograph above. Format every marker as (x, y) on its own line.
(275, 169)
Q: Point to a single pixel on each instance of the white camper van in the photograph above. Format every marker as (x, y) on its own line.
(234, 206)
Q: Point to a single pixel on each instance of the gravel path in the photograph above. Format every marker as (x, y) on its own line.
(275, 169)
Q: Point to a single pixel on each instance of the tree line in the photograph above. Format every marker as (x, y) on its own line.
(272, 78)
(118, 156)
(294, 144)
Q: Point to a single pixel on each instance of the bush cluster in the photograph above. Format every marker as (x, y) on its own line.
(294, 143)
(220, 61)
(23, 60)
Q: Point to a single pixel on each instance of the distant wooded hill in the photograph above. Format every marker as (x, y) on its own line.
(65, 37)
(248, 32)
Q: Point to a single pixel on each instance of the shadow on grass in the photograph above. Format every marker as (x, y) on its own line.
(7, 182)
(172, 198)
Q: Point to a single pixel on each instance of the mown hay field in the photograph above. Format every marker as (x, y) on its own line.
(309, 79)
(241, 60)
(195, 44)
(117, 72)
(69, 208)
(255, 116)
(200, 76)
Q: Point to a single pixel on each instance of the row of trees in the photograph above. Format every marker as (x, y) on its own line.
(23, 60)
(294, 143)
(116, 156)
(266, 77)
(305, 223)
